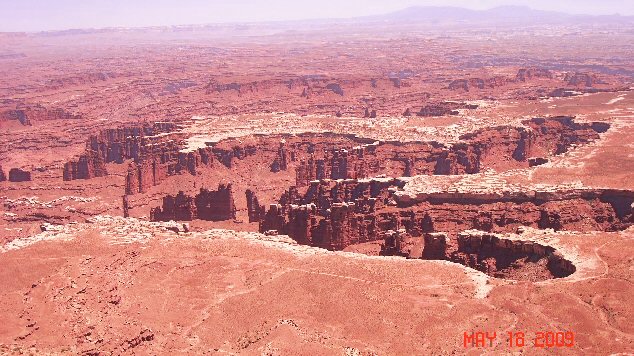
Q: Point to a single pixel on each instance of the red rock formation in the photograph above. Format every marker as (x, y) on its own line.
(126, 206)
(206, 205)
(400, 243)
(336, 214)
(478, 83)
(216, 205)
(369, 114)
(330, 214)
(444, 108)
(25, 114)
(89, 165)
(255, 210)
(581, 79)
(488, 253)
(281, 161)
(501, 257)
(525, 74)
(435, 245)
(134, 142)
(142, 143)
(151, 170)
(226, 156)
(436, 110)
(537, 161)
(332, 156)
(483, 148)
(555, 135)
(18, 175)
(179, 207)
(336, 88)
(19, 115)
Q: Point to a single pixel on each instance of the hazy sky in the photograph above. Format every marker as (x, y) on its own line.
(37, 15)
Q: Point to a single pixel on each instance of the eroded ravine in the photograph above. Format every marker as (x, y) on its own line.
(342, 191)
(332, 205)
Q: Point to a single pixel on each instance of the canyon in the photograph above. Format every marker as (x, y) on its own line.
(359, 187)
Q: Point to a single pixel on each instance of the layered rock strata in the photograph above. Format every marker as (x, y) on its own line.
(255, 211)
(209, 205)
(89, 165)
(496, 255)
(334, 214)
(502, 147)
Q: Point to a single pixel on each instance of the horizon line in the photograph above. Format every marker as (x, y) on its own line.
(202, 24)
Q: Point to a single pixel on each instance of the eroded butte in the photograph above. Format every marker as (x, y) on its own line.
(184, 190)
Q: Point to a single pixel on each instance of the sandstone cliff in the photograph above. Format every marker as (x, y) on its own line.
(19, 175)
(334, 214)
(215, 205)
(89, 165)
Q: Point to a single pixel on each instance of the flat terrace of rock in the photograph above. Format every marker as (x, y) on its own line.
(193, 297)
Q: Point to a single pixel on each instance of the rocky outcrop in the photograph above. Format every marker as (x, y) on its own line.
(281, 161)
(493, 254)
(400, 243)
(506, 258)
(254, 209)
(89, 165)
(436, 110)
(556, 135)
(503, 147)
(339, 163)
(18, 115)
(209, 205)
(444, 108)
(153, 169)
(581, 79)
(334, 214)
(227, 155)
(526, 74)
(214, 86)
(134, 142)
(335, 88)
(144, 175)
(216, 205)
(478, 83)
(336, 156)
(143, 144)
(26, 114)
(178, 208)
(3, 177)
(537, 161)
(369, 114)
(18, 175)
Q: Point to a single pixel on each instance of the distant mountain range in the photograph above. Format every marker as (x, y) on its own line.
(502, 14)
(421, 15)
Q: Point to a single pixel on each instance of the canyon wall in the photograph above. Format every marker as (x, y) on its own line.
(334, 214)
(89, 165)
(209, 205)
(19, 175)
(27, 114)
(255, 211)
(490, 253)
(120, 144)
(151, 170)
